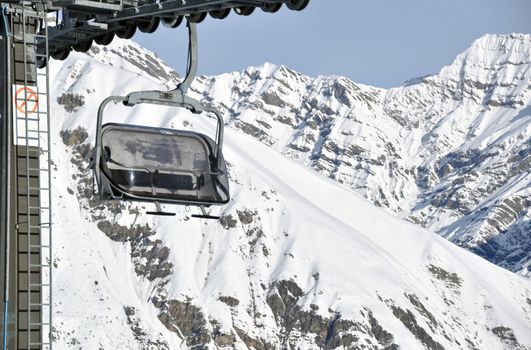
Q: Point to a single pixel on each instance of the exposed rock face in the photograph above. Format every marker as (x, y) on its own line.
(76, 138)
(130, 55)
(188, 321)
(141, 335)
(408, 319)
(71, 102)
(328, 333)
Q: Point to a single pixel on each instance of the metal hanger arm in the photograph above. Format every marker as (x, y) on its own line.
(193, 57)
(176, 97)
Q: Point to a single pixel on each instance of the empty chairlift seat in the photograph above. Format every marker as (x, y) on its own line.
(166, 165)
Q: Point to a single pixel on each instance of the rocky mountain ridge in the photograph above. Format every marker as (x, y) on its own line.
(450, 152)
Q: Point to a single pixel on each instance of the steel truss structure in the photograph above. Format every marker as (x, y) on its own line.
(75, 24)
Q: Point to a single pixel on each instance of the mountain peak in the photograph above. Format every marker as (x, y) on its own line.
(516, 43)
(269, 70)
(487, 56)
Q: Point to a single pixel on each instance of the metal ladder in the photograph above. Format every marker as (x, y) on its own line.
(31, 129)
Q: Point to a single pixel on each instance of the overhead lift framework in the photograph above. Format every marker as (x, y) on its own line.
(31, 33)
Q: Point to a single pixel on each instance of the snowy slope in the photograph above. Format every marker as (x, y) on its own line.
(297, 261)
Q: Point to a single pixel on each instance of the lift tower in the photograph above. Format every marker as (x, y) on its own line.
(31, 33)
(25, 191)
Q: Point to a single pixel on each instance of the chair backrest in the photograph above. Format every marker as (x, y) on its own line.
(165, 165)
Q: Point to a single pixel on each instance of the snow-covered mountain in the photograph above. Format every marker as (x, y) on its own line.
(298, 261)
(450, 152)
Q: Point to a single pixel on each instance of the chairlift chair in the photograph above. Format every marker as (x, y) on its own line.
(161, 165)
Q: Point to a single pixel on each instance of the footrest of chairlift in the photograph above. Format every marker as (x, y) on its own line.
(208, 217)
(160, 213)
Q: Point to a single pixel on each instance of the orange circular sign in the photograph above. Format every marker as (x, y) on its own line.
(26, 100)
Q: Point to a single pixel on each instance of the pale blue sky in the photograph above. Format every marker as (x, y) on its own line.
(377, 42)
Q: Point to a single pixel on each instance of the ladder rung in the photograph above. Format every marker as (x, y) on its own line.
(41, 112)
(28, 138)
(40, 208)
(37, 131)
(43, 225)
(39, 246)
(30, 195)
(26, 156)
(22, 121)
(29, 119)
(28, 176)
(30, 214)
(39, 188)
(32, 265)
(24, 138)
(39, 344)
(29, 131)
(27, 63)
(40, 324)
(37, 169)
(39, 285)
(24, 99)
(41, 304)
